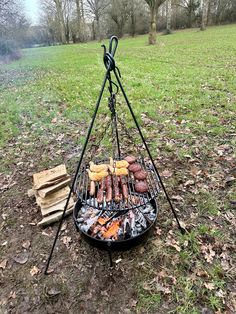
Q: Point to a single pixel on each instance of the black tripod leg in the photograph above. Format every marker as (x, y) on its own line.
(77, 171)
(149, 153)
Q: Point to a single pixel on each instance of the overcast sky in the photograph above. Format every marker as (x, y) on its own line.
(32, 10)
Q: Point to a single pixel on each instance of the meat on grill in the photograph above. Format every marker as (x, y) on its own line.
(130, 159)
(134, 167)
(141, 187)
(140, 175)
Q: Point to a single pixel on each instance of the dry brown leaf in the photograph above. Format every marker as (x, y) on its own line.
(34, 271)
(208, 252)
(26, 244)
(189, 182)
(209, 285)
(66, 240)
(3, 264)
(173, 243)
(166, 173)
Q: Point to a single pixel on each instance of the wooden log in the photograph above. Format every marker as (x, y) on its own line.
(58, 207)
(49, 190)
(42, 177)
(54, 217)
(53, 198)
(53, 182)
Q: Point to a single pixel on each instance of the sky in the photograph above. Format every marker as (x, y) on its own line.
(32, 10)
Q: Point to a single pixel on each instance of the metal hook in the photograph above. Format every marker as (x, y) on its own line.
(115, 40)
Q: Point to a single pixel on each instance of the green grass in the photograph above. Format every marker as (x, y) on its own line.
(189, 75)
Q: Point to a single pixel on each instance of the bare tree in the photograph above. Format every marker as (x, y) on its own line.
(120, 13)
(96, 9)
(168, 16)
(205, 5)
(61, 21)
(153, 6)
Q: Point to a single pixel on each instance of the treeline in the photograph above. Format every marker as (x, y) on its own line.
(73, 21)
(65, 21)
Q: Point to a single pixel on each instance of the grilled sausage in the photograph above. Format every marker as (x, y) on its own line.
(116, 189)
(92, 188)
(109, 194)
(108, 182)
(100, 196)
(124, 187)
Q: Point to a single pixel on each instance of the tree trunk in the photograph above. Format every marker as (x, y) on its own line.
(61, 21)
(132, 17)
(78, 14)
(98, 29)
(204, 15)
(152, 33)
(168, 16)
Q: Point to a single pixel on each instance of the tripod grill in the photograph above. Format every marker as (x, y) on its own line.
(115, 209)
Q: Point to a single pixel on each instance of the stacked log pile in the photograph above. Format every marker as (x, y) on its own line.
(51, 189)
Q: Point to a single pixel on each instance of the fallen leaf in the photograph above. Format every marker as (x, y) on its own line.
(12, 294)
(53, 292)
(3, 264)
(173, 243)
(189, 182)
(26, 244)
(21, 259)
(166, 173)
(66, 240)
(209, 285)
(34, 271)
(208, 252)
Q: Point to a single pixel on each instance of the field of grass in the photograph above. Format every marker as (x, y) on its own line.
(183, 93)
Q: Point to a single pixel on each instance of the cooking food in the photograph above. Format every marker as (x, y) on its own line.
(140, 175)
(92, 188)
(118, 171)
(100, 196)
(134, 167)
(124, 187)
(117, 197)
(97, 168)
(141, 187)
(97, 176)
(130, 159)
(119, 163)
(109, 194)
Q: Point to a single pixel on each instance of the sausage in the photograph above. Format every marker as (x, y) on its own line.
(108, 182)
(124, 187)
(92, 188)
(100, 196)
(102, 184)
(116, 189)
(109, 194)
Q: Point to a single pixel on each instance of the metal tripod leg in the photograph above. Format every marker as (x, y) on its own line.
(149, 153)
(76, 173)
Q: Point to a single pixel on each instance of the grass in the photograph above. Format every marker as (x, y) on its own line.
(183, 94)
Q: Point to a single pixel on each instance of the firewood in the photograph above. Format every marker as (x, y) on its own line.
(53, 217)
(42, 177)
(58, 207)
(49, 190)
(53, 198)
(52, 182)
